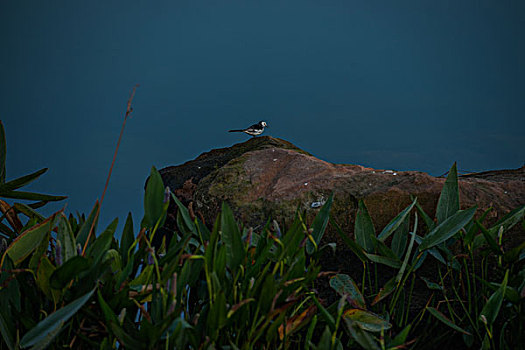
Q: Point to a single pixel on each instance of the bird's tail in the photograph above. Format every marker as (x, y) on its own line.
(235, 130)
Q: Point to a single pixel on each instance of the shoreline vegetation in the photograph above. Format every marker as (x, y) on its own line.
(65, 284)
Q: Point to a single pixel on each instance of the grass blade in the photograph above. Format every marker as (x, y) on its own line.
(31, 196)
(407, 256)
(447, 229)
(21, 181)
(231, 237)
(153, 199)
(491, 309)
(445, 320)
(448, 203)
(53, 322)
(364, 229)
(354, 247)
(24, 244)
(508, 221)
(396, 222)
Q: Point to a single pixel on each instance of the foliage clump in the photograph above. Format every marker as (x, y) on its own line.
(232, 287)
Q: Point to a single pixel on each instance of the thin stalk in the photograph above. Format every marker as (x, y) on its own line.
(472, 323)
(449, 307)
(375, 277)
(370, 281)
(469, 292)
(404, 322)
(129, 109)
(363, 279)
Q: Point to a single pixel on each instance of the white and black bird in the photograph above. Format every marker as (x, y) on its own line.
(254, 130)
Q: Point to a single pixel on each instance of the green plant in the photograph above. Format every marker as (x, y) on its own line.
(11, 222)
(204, 288)
(461, 248)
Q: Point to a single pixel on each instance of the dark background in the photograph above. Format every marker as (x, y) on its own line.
(404, 85)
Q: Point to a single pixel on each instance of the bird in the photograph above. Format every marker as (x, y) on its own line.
(254, 130)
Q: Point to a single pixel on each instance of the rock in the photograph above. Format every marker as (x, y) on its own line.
(267, 177)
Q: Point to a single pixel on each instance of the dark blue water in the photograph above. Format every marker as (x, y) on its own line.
(405, 85)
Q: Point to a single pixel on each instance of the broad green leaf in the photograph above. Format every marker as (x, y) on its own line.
(445, 320)
(510, 293)
(344, 285)
(493, 305)
(310, 332)
(513, 254)
(447, 229)
(327, 316)
(67, 239)
(21, 181)
(237, 306)
(44, 342)
(2, 153)
(6, 330)
(489, 239)
(39, 252)
(426, 218)
(114, 325)
(231, 237)
(217, 315)
(184, 213)
(409, 251)
(363, 338)
(319, 225)
(31, 196)
(431, 285)
(127, 239)
(379, 259)
(68, 271)
(325, 340)
(401, 337)
(354, 247)
(472, 227)
(100, 246)
(127, 341)
(508, 221)
(448, 203)
(396, 222)
(28, 211)
(384, 250)
(144, 277)
(364, 230)
(153, 199)
(209, 254)
(24, 244)
(106, 310)
(400, 238)
(433, 251)
(367, 320)
(43, 274)
(83, 232)
(113, 256)
(53, 322)
(389, 287)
